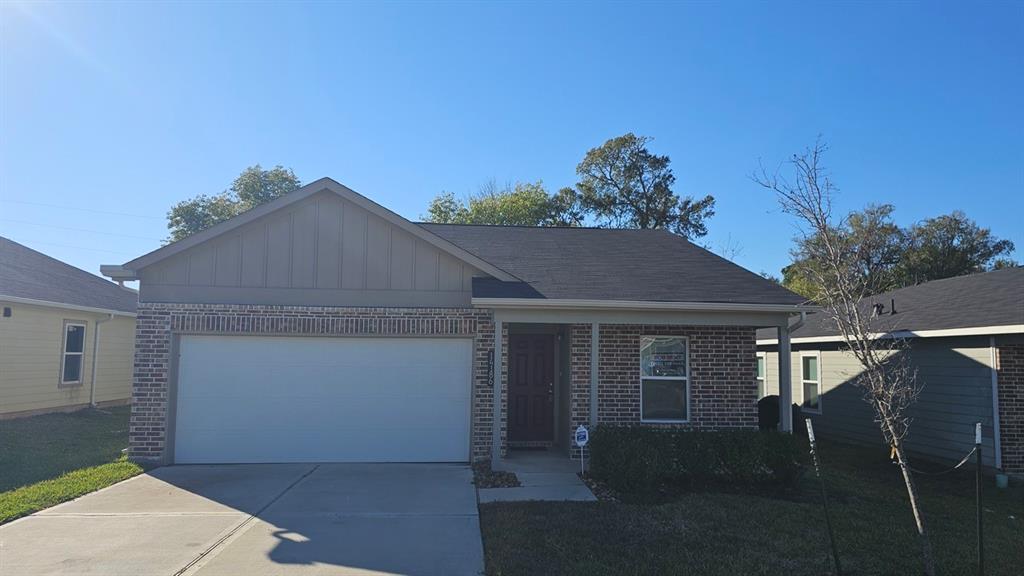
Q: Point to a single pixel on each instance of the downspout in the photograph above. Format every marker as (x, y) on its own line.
(95, 352)
(996, 440)
(796, 325)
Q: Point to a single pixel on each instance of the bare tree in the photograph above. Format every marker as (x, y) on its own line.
(842, 281)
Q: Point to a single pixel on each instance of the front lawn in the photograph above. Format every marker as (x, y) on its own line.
(714, 533)
(52, 458)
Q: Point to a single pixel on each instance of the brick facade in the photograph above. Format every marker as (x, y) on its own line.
(722, 362)
(157, 324)
(1011, 406)
(723, 375)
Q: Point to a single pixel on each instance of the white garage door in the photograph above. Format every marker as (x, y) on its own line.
(311, 399)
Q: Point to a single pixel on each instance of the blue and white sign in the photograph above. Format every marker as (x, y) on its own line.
(582, 436)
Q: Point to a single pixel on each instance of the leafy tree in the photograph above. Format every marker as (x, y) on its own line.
(524, 204)
(623, 184)
(254, 186)
(873, 246)
(951, 245)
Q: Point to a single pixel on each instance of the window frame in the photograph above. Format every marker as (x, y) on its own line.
(803, 382)
(684, 379)
(84, 325)
(763, 379)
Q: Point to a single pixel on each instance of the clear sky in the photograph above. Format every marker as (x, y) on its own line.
(112, 112)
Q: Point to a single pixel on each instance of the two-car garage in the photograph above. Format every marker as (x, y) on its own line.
(321, 399)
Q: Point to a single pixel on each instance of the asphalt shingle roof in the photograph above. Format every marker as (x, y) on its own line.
(607, 264)
(986, 299)
(25, 273)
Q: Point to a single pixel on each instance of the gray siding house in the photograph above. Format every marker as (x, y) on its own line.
(966, 339)
(324, 327)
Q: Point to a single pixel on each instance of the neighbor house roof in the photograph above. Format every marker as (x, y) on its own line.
(607, 264)
(984, 303)
(33, 277)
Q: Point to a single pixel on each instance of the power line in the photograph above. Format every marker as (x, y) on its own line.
(93, 210)
(78, 229)
(33, 242)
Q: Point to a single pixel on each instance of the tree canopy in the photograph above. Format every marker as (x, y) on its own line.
(254, 186)
(521, 204)
(884, 256)
(621, 184)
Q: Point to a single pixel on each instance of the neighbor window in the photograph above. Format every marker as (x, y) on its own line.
(760, 375)
(811, 379)
(74, 350)
(664, 381)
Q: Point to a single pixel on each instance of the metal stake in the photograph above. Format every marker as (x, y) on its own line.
(978, 483)
(824, 496)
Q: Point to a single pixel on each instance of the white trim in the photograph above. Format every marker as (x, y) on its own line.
(570, 303)
(595, 347)
(684, 379)
(996, 437)
(64, 352)
(972, 331)
(129, 270)
(803, 382)
(763, 357)
(61, 305)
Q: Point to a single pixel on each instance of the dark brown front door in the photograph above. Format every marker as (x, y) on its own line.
(531, 390)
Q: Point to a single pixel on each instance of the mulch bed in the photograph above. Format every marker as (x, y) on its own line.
(601, 492)
(485, 477)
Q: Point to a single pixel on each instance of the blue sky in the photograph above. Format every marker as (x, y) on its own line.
(112, 112)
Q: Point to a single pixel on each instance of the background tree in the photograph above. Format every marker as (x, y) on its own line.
(623, 184)
(254, 186)
(951, 245)
(876, 247)
(522, 204)
(835, 268)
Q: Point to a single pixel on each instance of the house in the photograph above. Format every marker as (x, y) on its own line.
(66, 336)
(324, 327)
(966, 341)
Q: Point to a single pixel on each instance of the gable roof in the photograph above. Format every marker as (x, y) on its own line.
(989, 303)
(35, 278)
(129, 270)
(608, 264)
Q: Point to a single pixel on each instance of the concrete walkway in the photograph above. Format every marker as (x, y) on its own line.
(543, 475)
(259, 520)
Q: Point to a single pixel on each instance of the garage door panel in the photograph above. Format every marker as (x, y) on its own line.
(295, 399)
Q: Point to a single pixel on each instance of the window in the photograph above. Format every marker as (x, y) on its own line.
(664, 379)
(811, 380)
(760, 375)
(74, 350)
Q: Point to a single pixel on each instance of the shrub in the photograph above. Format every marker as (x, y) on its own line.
(646, 461)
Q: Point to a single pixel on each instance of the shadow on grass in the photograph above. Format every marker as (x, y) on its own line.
(45, 446)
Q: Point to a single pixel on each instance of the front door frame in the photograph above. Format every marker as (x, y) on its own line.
(554, 332)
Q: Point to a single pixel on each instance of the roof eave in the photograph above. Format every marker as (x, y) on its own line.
(582, 304)
(65, 306)
(938, 333)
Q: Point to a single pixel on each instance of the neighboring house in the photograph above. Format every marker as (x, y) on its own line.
(66, 336)
(324, 327)
(966, 341)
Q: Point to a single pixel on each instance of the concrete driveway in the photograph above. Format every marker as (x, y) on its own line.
(260, 519)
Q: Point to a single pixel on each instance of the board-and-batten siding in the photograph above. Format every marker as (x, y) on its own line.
(323, 251)
(31, 341)
(956, 380)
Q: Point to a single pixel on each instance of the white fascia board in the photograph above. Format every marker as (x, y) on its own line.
(944, 333)
(62, 305)
(564, 304)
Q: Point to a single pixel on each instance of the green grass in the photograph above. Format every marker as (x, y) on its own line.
(709, 533)
(52, 458)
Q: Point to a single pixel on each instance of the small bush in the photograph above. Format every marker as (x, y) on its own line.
(647, 461)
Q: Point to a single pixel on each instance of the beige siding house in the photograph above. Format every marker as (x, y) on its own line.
(66, 336)
(966, 341)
